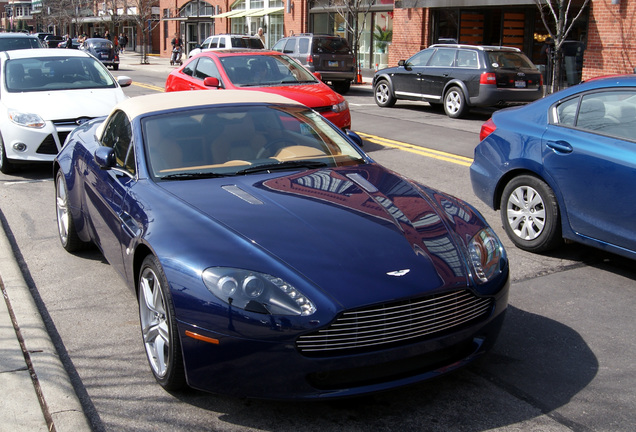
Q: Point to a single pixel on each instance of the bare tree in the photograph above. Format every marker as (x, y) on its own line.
(559, 17)
(350, 10)
(145, 21)
(66, 14)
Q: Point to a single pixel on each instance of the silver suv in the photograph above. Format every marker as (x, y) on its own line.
(460, 77)
(328, 55)
(228, 41)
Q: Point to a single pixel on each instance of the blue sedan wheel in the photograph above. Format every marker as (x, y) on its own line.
(530, 214)
(158, 326)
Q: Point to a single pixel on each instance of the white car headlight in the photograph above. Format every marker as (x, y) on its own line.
(256, 292)
(342, 106)
(26, 119)
(485, 252)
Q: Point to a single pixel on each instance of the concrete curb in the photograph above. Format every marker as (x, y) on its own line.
(37, 391)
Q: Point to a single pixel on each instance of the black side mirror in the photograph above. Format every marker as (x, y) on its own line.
(105, 157)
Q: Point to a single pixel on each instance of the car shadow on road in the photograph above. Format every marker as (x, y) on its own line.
(537, 366)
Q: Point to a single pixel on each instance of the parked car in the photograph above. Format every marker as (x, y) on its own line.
(103, 50)
(460, 77)
(563, 167)
(75, 43)
(16, 41)
(224, 41)
(53, 41)
(328, 55)
(44, 94)
(259, 237)
(267, 71)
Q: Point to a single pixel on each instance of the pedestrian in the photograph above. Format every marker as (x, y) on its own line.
(122, 42)
(261, 35)
(107, 35)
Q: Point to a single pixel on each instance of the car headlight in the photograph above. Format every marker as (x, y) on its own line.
(342, 106)
(485, 252)
(26, 119)
(256, 292)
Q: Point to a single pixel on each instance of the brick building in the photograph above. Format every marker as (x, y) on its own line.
(599, 43)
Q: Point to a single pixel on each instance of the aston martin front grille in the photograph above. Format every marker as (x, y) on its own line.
(394, 324)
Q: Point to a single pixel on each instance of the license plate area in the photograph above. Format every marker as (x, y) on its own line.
(332, 63)
(520, 84)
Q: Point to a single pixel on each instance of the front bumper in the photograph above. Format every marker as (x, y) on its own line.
(277, 370)
(39, 144)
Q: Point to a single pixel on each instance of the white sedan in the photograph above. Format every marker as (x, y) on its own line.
(44, 95)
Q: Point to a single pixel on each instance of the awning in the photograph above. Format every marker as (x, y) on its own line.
(249, 12)
(230, 14)
(265, 11)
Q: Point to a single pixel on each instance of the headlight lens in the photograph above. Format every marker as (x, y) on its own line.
(256, 292)
(485, 252)
(26, 119)
(342, 106)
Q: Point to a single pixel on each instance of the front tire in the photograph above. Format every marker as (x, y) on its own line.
(342, 87)
(159, 327)
(455, 103)
(383, 94)
(530, 214)
(65, 224)
(6, 166)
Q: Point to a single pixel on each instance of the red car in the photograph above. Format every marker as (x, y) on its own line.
(267, 71)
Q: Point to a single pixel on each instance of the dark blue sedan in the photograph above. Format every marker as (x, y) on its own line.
(270, 256)
(564, 167)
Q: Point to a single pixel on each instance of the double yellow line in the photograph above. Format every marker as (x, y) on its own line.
(149, 86)
(422, 151)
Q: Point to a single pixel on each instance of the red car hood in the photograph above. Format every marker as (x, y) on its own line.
(312, 95)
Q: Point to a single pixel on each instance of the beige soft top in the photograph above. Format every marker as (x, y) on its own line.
(155, 102)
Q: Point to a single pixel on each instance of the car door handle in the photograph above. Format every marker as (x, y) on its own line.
(560, 146)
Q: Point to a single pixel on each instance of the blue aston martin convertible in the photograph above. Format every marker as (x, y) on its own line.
(270, 256)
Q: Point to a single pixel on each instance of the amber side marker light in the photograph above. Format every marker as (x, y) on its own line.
(201, 337)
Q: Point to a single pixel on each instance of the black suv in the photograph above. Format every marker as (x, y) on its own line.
(460, 77)
(328, 55)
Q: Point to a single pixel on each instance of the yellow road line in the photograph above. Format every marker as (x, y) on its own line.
(149, 86)
(422, 151)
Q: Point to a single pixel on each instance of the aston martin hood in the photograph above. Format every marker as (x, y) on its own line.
(364, 228)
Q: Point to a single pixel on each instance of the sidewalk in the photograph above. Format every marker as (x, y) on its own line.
(37, 394)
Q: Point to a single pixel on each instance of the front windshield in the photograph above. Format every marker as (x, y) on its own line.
(263, 70)
(56, 73)
(246, 139)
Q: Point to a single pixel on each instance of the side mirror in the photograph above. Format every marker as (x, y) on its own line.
(105, 157)
(124, 81)
(354, 137)
(318, 75)
(211, 82)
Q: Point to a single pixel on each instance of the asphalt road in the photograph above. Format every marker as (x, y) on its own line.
(564, 360)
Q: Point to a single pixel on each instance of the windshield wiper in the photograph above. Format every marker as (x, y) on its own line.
(282, 166)
(191, 176)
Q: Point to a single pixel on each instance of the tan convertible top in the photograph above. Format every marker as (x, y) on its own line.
(138, 105)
